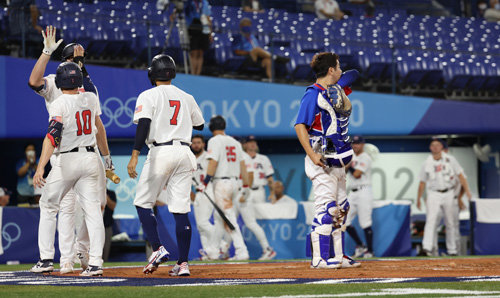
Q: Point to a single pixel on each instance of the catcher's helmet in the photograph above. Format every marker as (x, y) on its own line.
(162, 69)
(217, 123)
(68, 76)
(68, 51)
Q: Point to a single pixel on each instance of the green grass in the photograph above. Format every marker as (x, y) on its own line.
(238, 291)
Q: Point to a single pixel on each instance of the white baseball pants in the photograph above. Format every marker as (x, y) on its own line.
(225, 191)
(247, 211)
(435, 202)
(80, 171)
(203, 210)
(171, 166)
(361, 204)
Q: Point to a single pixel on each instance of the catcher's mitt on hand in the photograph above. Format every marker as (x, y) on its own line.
(338, 98)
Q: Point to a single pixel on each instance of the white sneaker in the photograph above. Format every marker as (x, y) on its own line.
(180, 270)
(368, 254)
(347, 262)
(242, 257)
(325, 264)
(43, 266)
(360, 251)
(203, 255)
(156, 258)
(92, 271)
(268, 254)
(66, 268)
(83, 258)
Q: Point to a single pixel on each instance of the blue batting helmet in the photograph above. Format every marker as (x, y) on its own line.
(68, 76)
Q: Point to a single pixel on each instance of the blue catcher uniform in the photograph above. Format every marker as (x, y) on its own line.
(328, 135)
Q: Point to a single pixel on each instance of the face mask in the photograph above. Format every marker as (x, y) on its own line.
(483, 6)
(246, 29)
(30, 153)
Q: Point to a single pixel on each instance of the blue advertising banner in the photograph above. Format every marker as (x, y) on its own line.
(261, 109)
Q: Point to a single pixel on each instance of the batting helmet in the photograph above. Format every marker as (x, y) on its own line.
(68, 76)
(162, 69)
(68, 51)
(217, 123)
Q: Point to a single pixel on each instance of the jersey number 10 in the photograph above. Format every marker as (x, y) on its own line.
(231, 155)
(87, 122)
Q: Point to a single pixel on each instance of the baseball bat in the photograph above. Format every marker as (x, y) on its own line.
(112, 176)
(221, 213)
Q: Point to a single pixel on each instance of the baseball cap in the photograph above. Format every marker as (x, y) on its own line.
(249, 139)
(358, 140)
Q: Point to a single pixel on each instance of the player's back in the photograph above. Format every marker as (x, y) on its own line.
(77, 112)
(171, 112)
(228, 154)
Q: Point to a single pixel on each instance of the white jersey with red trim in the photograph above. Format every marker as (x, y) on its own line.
(173, 114)
(50, 92)
(77, 113)
(228, 154)
(362, 162)
(201, 168)
(262, 169)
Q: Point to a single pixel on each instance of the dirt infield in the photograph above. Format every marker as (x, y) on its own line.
(368, 269)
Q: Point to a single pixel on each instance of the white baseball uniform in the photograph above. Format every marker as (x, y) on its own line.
(440, 177)
(203, 209)
(69, 206)
(361, 195)
(261, 167)
(228, 154)
(456, 213)
(81, 170)
(170, 162)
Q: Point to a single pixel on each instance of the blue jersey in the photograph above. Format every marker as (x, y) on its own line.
(320, 118)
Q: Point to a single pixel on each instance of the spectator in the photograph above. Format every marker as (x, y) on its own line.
(26, 169)
(328, 9)
(492, 14)
(279, 196)
(246, 44)
(23, 19)
(108, 222)
(4, 197)
(199, 25)
(481, 8)
(252, 6)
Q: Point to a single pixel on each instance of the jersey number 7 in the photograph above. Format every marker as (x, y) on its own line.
(87, 122)
(177, 105)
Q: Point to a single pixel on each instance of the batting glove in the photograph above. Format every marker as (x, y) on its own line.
(49, 40)
(108, 163)
(245, 192)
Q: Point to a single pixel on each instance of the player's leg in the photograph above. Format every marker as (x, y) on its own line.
(435, 236)
(225, 191)
(449, 220)
(90, 196)
(150, 184)
(365, 217)
(203, 210)
(247, 211)
(66, 228)
(353, 211)
(55, 188)
(432, 206)
(178, 201)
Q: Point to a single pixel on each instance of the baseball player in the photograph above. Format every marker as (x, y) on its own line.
(262, 175)
(321, 128)
(437, 177)
(75, 165)
(458, 192)
(46, 87)
(165, 117)
(360, 197)
(225, 166)
(203, 209)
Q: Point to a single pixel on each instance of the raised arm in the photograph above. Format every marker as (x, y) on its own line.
(50, 45)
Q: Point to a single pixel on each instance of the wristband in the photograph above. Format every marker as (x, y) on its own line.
(207, 179)
(351, 170)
